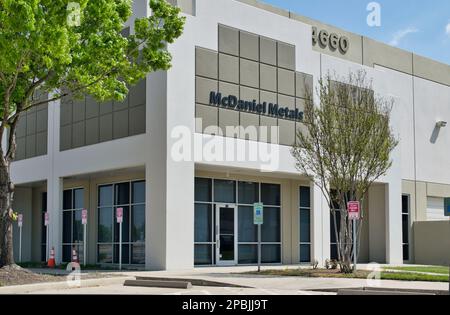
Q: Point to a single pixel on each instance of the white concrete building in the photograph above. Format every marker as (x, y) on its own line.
(189, 208)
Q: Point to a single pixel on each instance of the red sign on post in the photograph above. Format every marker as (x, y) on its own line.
(84, 216)
(354, 210)
(46, 219)
(20, 220)
(119, 215)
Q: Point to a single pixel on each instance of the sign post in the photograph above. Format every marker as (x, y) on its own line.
(354, 213)
(119, 215)
(84, 218)
(20, 224)
(47, 223)
(258, 219)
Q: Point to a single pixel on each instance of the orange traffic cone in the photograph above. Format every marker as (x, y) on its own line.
(74, 256)
(51, 260)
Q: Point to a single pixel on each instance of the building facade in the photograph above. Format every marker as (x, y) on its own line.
(186, 178)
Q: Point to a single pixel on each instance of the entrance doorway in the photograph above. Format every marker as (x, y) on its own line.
(226, 236)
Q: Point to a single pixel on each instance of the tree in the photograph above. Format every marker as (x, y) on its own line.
(345, 148)
(50, 49)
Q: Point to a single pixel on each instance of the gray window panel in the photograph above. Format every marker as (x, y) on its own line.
(203, 88)
(66, 113)
(305, 197)
(21, 146)
(247, 231)
(270, 254)
(249, 123)
(286, 101)
(271, 194)
(228, 68)
(121, 105)
(268, 77)
(66, 138)
(138, 193)
(228, 122)
(206, 63)
(268, 97)
(21, 129)
(92, 107)
(267, 134)
(287, 132)
(79, 110)
(300, 127)
(300, 104)
(228, 40)
(106, 127)
(209, 116)
(41, 143)
(286, 56)
(268, 51)
(203, 223)
(31, 123)
(249, 94)
(304, 85)
(305, 253)
(137, 93)
(305, 226)
(31, 146)
(138, 223)
(271, 229)
(105, 108)
(248, 193)
(78, 134)
(137, 120)
(120, 124)
(228, 89)
(286, 82)
(92, 131)
(249, 73)
(224, 191)
(249, 46)
(105, 195)
(248, 254)
(42, 120)
(203, 254)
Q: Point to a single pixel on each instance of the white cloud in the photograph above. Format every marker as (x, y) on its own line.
(447, 29)
(398, 36)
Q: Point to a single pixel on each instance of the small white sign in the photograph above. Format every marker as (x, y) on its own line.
(119, 215)
(46, 219)
(84, 216)
(20, 220)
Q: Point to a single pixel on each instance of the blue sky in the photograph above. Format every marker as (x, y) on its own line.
(420, 26)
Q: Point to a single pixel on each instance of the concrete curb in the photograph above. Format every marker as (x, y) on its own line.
(61, 285)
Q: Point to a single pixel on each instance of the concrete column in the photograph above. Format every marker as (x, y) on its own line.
(54, 206)
(377, 223)
(320, 225)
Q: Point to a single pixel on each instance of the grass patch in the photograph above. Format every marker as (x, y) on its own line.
(443, 270)
(360, 274)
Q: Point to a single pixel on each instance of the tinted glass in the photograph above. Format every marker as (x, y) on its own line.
(138, 254)
(248, 254)
(105, 195)
(305, 195)
(203, 189)
(67, 253)
(270, 194)
(248, 232)
(203, 223)
(138, 223)
(67, 199)
(405, 252)
(67, 227)
(122, 193)
(405, 204)
(248, 193)
(305, 253)
(78, 196)
(270, 254)
(405, 228)
(138, 192)
(125, 254)
(271, 229)
(105, 225)
(104, 254)
(202, 254)
(77, 226)
(305, 226)
(225, 191)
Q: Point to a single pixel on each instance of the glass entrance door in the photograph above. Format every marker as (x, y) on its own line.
(226, 237)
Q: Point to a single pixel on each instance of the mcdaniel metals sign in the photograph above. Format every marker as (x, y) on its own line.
(264, 108)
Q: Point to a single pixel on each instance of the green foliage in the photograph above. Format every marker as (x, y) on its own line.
(40, 49)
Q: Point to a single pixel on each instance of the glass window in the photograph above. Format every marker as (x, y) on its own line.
(305, 197)
(305, 253)
(270, 194)
(78, 196)
(270, 254)
(225, 191)
(138, 192)
(248, 193)
(105, 225)
(271, 229)
(405, 226)
(67, 199)
(203, 223)
(125, 254)
(67, 227)
(105, 197)
(122, 193)
(305, 226)
(203, 189)
(104, 254)
(138, 225)
(248, 232)
(248, 254)
(203, 254)
(78, 229)
(138, 254)
(405, 204)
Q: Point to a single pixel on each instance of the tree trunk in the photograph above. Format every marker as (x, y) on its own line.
(7, 216)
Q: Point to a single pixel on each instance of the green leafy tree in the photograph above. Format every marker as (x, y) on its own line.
(345, 148)
(50, 49)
